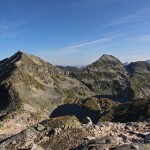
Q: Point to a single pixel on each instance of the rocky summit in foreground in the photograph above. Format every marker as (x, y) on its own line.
(103, 106)
(67, 133)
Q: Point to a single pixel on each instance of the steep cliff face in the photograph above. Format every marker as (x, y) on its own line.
(31, 88)
(106, 77)
(140, 78)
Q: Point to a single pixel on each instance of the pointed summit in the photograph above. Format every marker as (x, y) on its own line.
(109, 61)
(17, 54)
(11, 61)
(106, 76)
(106, 57)
(21, 58)
(106, 62)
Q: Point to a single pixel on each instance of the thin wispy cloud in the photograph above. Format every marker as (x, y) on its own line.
(91, 49)
(90, 3)
(10, 29)
(144, 38)
(130, 18)
(4, 24)
(89, 43)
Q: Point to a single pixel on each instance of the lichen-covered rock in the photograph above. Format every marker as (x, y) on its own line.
(100, 104)
(87, 121)
(40, 127)
(58, 133)
(65, 133)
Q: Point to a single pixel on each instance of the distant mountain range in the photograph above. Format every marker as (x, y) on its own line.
(148, 61)
(126, 63)
(31, 90)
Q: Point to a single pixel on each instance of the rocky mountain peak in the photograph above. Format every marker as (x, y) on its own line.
(20, 61)
(109, 59)
(106, 62)
(19, 52)
(17, 56)
(14, 60)
(28, 58)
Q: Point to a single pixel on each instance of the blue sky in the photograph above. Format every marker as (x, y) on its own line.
(76, 32)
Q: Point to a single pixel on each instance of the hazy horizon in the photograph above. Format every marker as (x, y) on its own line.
(76, 32)
(79, 65)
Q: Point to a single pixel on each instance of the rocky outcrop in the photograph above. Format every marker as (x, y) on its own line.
(99, 104)
(56, 133)
(64, 133)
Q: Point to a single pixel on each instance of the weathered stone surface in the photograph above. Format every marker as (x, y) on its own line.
(134, 147)
(40, 127)
(87, 121)
(147, 138)
(67, 132)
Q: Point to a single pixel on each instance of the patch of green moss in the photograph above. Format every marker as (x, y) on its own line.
(69, 139)
(69, 100)
(55, 80)
(65, 122)
(101, 104)
(72, 133)
(29, 80)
